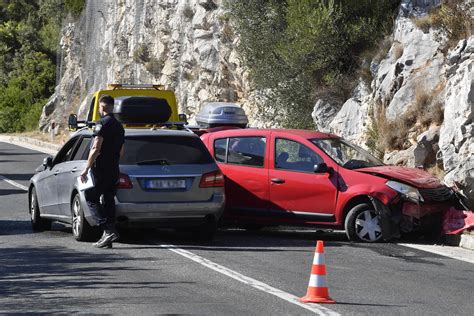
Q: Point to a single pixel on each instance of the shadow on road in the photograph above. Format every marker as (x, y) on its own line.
(15, 227)
(271, 240)
(18, 176)
(29, 275)
(6, 152)
(11, 191)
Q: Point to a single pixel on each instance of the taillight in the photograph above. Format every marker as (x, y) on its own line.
(124, 182)
(212, 179)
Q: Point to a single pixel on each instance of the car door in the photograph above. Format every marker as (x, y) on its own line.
(297, 193)
(69, 172)
(47, 186)
(243, 161)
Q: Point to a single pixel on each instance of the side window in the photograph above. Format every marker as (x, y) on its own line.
(249, 151)
(83, 151)
(291, 155)
(220, 147)
(66, 152)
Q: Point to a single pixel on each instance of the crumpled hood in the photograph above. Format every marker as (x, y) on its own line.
(412, 176)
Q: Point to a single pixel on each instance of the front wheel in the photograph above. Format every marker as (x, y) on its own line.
(81, 230)
(37, 223)
(363, 224)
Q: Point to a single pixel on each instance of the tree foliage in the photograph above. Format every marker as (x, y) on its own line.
(29, 38)
(296, 49)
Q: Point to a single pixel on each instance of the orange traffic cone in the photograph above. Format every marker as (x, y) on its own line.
(317, 288)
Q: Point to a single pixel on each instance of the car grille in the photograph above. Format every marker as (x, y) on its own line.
(436, 195)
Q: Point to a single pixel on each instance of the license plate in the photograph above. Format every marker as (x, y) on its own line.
(165, 184)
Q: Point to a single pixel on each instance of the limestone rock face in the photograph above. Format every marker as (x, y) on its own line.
(186, 45)
(457, 132)
(352, 120)
(323, 113)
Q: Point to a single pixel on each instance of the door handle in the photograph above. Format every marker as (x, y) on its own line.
(74, 169)
(278, 180)
(56, 172)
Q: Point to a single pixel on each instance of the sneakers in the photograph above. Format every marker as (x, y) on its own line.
(108, 237)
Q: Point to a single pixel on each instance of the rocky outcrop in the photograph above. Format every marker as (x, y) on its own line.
(457, 132)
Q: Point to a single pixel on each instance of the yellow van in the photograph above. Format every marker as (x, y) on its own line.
(142, 105)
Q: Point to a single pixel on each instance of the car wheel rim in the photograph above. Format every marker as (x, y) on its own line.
(33, 207)
(76, 217)
(367, 226)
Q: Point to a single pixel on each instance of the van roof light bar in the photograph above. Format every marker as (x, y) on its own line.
(115, 86)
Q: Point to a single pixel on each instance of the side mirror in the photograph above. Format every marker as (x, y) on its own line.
(322, 168)
(48, 162)
(183, 118)
(72, 122)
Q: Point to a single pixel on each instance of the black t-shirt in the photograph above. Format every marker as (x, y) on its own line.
(113, 134)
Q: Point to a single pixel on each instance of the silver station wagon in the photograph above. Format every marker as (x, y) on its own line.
(167, 179)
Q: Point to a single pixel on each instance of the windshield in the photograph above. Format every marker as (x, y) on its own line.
(346, 155)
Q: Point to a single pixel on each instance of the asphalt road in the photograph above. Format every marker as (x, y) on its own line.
(163, 272)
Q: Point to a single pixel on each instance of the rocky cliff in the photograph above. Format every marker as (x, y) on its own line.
(189, 46)
(185, 45)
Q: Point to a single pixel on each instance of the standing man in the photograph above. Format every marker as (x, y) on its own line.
(107, 148)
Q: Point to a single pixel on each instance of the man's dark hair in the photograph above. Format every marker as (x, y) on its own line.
(108, 100)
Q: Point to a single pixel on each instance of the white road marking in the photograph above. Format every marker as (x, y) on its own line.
(15, 184)
(315, 308)
(446, 251)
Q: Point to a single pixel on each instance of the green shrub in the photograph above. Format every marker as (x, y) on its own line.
(74, 7)
(29, 38)
(294, 49)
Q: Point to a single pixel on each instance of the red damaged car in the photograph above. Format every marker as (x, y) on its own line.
(299, 177)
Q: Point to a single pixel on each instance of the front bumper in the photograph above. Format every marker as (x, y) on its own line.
(401, 216)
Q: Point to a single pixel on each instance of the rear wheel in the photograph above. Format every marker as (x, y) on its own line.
(37, 223)
(362, 224)
(81, 230)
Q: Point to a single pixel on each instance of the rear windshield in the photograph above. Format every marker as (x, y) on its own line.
(165, 150)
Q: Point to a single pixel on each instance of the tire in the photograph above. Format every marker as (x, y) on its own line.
(81, 230)
(38, 224)
(362, 224)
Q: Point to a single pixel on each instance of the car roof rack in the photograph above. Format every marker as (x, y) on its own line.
(116, 86)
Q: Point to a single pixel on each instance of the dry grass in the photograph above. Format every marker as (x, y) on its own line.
(436, 171)
(395, 135)
(227, 33)
(453, 17)
(424, 23)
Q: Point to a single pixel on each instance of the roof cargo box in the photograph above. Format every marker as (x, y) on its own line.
(215, 114)
(141, 109)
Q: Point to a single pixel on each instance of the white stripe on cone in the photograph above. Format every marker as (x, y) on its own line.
(317, 281)
(318, 258)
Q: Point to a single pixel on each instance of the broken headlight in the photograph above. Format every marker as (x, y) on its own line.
(408, 192)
